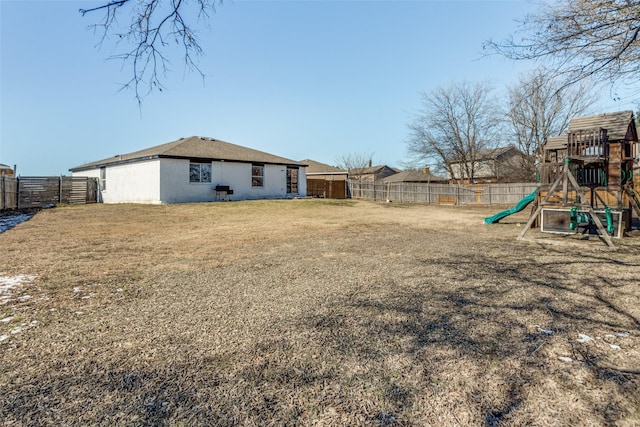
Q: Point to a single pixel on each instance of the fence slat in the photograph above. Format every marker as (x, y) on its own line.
(8, 192)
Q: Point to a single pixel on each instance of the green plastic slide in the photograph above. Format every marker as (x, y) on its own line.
(517, 208)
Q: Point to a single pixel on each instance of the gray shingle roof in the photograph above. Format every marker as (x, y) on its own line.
(488, 154)
(413, 176)
(616, 124)
(372, 169)
(194, 147)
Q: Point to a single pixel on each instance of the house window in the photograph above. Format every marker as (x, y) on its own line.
(103, 178)
(199, 172)
(257, 175)
(292, 180)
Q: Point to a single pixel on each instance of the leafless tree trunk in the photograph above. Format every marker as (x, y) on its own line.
(538, 108)
(155, 27)
(454, 125)
(581, 39)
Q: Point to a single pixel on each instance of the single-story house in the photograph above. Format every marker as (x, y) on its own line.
(325, 181)
(195, 169)
(491, 165)
(413, 175)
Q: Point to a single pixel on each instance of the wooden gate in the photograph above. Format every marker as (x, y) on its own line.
(327, 189)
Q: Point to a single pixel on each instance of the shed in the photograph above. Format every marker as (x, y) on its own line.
(195, 169)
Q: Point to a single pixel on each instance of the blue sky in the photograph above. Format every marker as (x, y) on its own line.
(299, 79)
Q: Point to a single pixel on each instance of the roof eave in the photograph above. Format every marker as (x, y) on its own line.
(327, 173)
(166, 156)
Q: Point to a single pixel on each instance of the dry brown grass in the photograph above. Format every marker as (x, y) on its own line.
(313, 312)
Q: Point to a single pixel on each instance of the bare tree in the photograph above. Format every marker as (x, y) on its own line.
(454, 125)
(355, 163)
(154, 27)
(540, 107)
(581, 39)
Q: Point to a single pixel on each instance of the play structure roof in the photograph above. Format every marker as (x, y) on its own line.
(616, 124)
(556, 143)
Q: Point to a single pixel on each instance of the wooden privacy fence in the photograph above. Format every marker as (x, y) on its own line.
(39, 191)
(8, 192)
(456, 194)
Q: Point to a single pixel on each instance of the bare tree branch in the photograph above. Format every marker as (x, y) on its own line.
(539, 108)
(114, 4)
(154, 26)
(453, 126)
(355, 163)
(580, 39)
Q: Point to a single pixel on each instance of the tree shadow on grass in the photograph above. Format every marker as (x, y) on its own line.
(451, 342)
(483, 313)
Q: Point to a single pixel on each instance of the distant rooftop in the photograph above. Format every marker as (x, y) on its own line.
(422, 175)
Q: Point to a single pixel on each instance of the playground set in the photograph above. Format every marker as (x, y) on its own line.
(586, 180)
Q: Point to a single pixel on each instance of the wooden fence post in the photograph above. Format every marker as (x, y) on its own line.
(18, 193)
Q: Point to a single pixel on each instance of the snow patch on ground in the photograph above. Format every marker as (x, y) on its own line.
(9, 283)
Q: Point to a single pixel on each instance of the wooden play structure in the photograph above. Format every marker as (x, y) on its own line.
(587, 179)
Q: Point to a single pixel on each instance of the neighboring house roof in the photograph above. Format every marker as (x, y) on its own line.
(374, 169)
(195, 148)
(3, 166)
(616, 124)
(414, 176)
(489, 154)
(317, 168)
